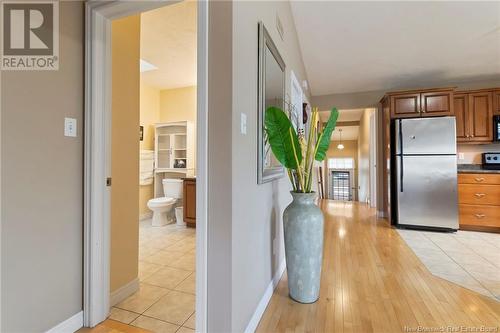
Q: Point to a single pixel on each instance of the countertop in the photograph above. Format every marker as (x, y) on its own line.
(474, 168)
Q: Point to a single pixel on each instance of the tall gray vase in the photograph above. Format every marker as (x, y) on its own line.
(303, 227)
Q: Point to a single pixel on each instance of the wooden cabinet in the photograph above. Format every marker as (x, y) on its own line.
(496, 102)
(189, 195)
(479, 201)
(474, 113)
(421, 103)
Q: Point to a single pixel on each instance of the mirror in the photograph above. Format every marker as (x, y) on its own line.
(271, 92)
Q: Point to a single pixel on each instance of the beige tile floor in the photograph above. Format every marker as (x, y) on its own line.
(467, 258)
(165, 301)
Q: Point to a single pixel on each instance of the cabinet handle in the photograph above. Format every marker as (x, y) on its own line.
(479, 195)
(479, 179)
(479, 216)
(472, 135)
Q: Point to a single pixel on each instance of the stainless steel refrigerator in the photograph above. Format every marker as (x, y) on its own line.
(425, 177)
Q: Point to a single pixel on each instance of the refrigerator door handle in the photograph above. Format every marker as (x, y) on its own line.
(401, 163)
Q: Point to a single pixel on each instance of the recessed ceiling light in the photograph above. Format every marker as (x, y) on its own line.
(146, 66)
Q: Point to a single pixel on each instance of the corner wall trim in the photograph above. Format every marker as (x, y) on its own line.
(264, 301)
(70, 325)
(123, 292)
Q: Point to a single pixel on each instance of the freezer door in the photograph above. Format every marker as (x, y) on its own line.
(427, 191)
(426, 136)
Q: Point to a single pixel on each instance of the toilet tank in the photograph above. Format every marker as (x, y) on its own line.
(172, 188)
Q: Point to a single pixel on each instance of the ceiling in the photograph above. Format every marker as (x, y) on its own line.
(366, 46)
(348, 132)
(168, 41)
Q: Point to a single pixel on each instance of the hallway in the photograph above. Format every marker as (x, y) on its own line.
(373, 282)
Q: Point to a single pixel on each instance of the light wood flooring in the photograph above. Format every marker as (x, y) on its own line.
(373, 282)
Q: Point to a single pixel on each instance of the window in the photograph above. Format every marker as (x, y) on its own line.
(341, 163)
(341, 185)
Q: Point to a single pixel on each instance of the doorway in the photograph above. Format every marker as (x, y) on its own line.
(99, 17)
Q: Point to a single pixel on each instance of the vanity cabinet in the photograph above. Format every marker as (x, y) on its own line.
(421, 103)
(479, 201)
(189, 197)
(474, 113)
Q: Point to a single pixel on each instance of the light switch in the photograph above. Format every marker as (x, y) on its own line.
(243, 123)
(70, 127)
(461, 156)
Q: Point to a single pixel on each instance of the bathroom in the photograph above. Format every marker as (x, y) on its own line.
(153, 196)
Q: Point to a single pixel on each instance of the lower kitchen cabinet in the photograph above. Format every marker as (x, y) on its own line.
(479, 201)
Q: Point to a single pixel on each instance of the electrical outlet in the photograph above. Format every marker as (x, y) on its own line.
(461, 156)
(70, 127)
(243, 124)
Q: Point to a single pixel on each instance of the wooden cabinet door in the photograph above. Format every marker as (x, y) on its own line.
(190, 202)
(405, 106)
(435, 104)
(496, 102)
(481, 117)
(461, 109)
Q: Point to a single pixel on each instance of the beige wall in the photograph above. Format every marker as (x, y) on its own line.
(42, 189)
(350, 150)
(364, 156)
(472, 153)
(149, 116)
(257, 209)
(178, 104)
(125, 151)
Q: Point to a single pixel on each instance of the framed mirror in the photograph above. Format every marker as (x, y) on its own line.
(271, 92)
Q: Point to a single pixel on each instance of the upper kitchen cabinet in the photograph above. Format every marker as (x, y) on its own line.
(474, 113)
(496, 102)
(421, 103)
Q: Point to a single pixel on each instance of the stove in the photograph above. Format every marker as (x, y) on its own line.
(491, 161)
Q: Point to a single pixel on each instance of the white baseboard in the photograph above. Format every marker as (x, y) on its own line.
(145, 216)
(123, 292)
(264, 301)
(70, 325)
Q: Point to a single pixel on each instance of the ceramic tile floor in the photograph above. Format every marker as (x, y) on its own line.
(467, 258)
(165, 301)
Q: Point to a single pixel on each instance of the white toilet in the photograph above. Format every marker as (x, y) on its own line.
(163, 208)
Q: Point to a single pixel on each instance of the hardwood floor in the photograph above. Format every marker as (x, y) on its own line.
(372, 282)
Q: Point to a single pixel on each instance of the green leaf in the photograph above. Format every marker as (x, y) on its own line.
(282, 138)
(326, 136)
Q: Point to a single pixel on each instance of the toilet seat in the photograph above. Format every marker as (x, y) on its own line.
(158, 202)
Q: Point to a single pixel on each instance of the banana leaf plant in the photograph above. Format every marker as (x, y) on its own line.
(294, 152)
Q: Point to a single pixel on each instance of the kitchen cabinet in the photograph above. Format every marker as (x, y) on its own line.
(189, 197)
(479, 201)
(421, 103)
(474, 113)
(496, 102)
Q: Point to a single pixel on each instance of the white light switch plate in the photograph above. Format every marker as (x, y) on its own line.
(243, 123)
(70, 127)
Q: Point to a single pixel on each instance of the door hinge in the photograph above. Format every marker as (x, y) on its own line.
(108, 181)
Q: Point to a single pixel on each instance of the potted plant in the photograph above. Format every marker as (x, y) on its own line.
(302, 219)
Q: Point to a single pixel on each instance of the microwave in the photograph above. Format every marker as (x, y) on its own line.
(496, 128)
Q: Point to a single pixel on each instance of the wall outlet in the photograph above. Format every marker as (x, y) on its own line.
(461, 156)
(243, 124)
(70, 127)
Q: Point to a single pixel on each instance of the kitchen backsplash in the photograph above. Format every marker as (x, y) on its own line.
(472, 153)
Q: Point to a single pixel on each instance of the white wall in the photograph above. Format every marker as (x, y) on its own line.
(364, 156)
(257, 209)
(42, 190)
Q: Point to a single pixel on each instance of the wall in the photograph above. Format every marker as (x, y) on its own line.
(178, 104)
(42, 190)
(350, 150)
(257, 209)
(149, 116)
(472, 153)
(125, 151)
(364, 156)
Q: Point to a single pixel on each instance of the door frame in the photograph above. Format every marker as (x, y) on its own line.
(373, 160)
(97, 157)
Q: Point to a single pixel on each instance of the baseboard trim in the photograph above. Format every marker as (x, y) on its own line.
(123, 292)
(145, 216)
(70, 325)
(264, 301)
